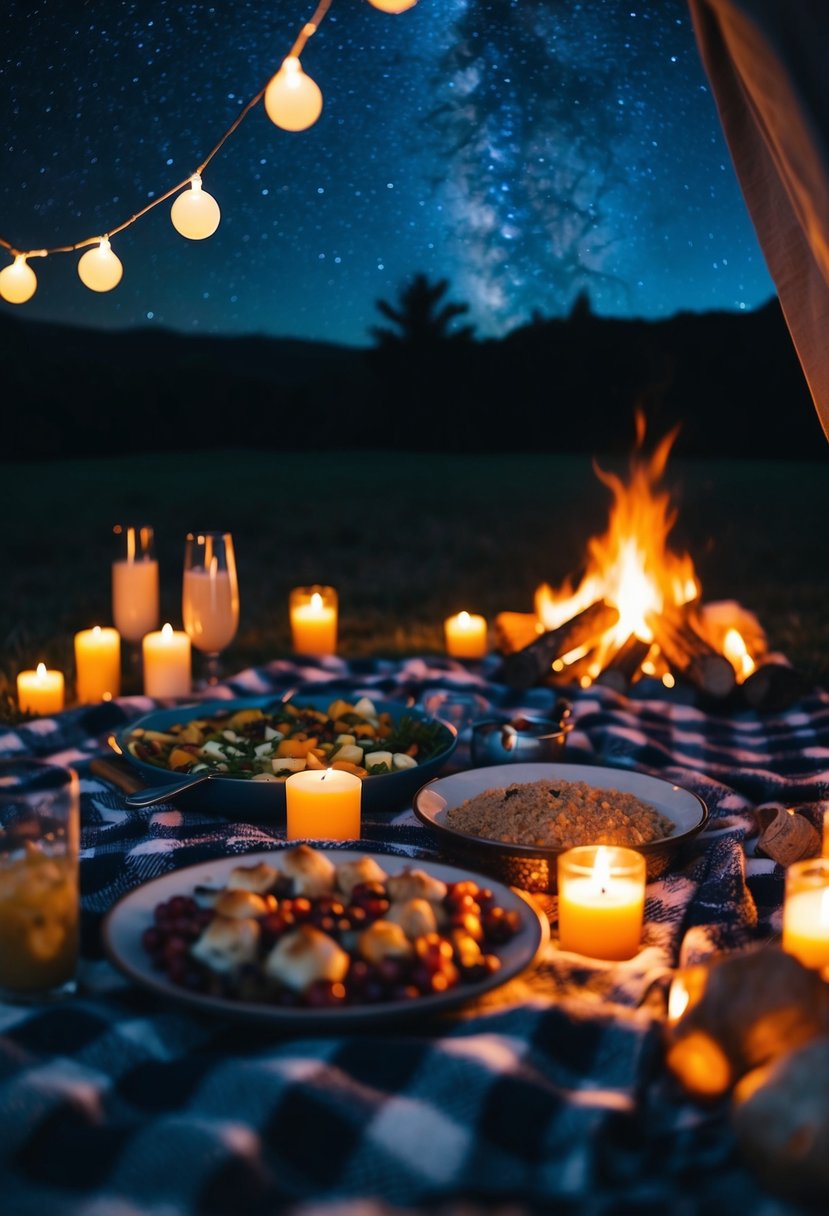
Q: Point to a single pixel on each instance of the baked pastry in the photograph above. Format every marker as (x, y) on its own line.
(259, 878)
(383, 940)
(414, 916)
(237, 904)
(350, 873)
(415, 884)
(304, 955)
(310, 871)
(225, 945)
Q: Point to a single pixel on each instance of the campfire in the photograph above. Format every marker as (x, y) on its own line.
(637, 610)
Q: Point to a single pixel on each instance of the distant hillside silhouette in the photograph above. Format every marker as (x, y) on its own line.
(732, 380)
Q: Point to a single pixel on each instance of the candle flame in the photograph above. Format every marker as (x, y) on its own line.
(316, 601)
(41, 671)
(166, 632)
(463, 618)
(678, 999)
(600, 876)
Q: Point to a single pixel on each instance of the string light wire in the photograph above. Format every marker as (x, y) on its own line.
(15, 273)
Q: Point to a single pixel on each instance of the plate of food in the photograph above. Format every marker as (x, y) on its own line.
(308, 938)
(250, 746)
(513, 820)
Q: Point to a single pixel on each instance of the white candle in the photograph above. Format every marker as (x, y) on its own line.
(210, 607)
(806, 912)
(323, 804)
(135, 597)
(465, 636)
(167, 663)
(97, 664)
(601, 901)
(313, 612)
(40, 691)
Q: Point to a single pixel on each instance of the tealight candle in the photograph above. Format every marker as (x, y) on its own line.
(806, 913)
(167, 663)
(97, 664)
(323, 804)
(465, 636)
(313, 612)
(601, 901)
(40, 691)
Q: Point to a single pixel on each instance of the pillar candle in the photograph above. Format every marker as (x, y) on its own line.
(323, 804)
(97, 664)
(41, 691)
(806, 912)
(135, 597)
(313, 612)
(167, 663)
(465, 636)
(601, 901)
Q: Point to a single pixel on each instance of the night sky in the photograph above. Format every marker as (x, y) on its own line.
(523, 150)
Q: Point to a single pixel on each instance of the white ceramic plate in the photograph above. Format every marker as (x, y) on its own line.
(533, 868)
(125, 922)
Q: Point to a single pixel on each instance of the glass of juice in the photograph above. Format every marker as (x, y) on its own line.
(39, 894)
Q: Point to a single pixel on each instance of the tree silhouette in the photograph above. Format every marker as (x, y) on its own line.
(422, 316)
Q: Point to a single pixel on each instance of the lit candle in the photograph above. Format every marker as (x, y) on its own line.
(313, 612)
(41, 691)
(135, 585)
(323, 804)
(465, 636)
(167, 663)
(601, 901)
(806, 913)
(97, 664)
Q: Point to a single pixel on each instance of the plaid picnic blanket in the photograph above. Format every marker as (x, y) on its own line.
(547, 1094)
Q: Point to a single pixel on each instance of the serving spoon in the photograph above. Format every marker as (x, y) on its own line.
(164, 793)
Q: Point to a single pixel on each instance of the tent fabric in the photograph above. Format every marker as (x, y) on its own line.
(768, 66)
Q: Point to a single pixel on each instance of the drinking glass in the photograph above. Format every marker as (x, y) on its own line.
(39, 900)
(210, 596)
(135, 603)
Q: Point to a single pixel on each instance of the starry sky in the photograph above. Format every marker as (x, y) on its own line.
(522, 150)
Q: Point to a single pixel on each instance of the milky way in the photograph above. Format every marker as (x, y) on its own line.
(523, 150)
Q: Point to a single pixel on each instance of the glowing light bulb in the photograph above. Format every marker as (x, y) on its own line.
(100, 269)
(195, 213)
(293, 100)
(18, 282)
(392, 6)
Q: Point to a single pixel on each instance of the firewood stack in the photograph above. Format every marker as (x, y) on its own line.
(534, 655)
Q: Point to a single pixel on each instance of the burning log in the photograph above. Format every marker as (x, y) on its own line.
(534, 662)
(515, 630)
(620, 671)
(691, 656)
(774, 686)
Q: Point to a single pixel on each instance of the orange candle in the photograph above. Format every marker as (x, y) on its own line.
(465, 636)
(806, 913)
(601, 901)
(313, 612)
(167, 663)
(41, 691)
(97, 664)
(323, 804)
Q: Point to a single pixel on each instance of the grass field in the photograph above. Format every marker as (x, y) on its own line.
(406, 539)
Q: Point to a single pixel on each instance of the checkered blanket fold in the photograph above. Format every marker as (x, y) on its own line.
(545, 1094)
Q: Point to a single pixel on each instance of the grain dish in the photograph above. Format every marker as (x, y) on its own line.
(559, 814)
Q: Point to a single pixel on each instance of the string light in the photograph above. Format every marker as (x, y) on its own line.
(195, 213)
(292, 101)
(100, 269)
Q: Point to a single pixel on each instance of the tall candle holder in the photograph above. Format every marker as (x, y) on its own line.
(135, 594)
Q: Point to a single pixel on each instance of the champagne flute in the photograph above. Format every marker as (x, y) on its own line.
(135, 603)
(210, 596)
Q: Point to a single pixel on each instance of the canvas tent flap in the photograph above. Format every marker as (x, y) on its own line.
(768, 66)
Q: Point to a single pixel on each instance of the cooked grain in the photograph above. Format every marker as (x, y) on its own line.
(559, 815)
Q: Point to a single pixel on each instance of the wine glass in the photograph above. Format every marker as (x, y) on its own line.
(210, 596)
(135, 603)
